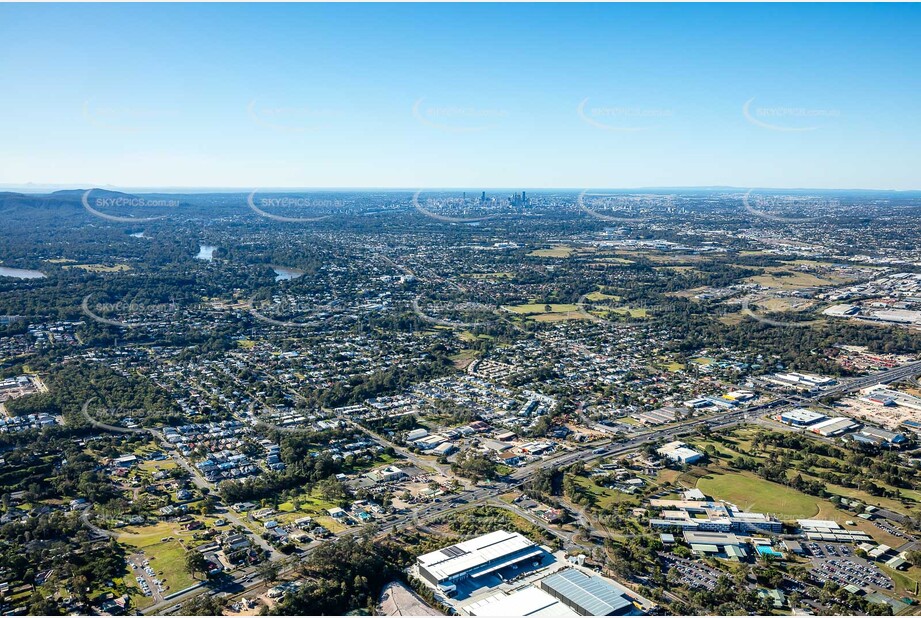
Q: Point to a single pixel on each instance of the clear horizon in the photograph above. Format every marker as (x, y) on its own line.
(487, 96)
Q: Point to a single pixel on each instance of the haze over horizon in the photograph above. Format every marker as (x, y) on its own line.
(481, 96)
(37, 188)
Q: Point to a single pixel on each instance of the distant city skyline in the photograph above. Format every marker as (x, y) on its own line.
(484, 96)
(38, 188)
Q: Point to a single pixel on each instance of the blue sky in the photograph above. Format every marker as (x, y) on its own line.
(476, 95)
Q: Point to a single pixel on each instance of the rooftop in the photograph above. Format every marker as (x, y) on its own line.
(529, 601)
(475, 553)
(594, 595)
(711, 538)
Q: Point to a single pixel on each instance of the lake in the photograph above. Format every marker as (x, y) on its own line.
(19, 273)
(205, 252)
(286, 274)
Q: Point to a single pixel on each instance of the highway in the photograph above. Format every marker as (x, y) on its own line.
(247, 580)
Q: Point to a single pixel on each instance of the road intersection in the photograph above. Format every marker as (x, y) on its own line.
(246, 579)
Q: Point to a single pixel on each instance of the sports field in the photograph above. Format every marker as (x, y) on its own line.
(529, 308)
(560, 251)
(750, 493)
(780, 278)
(596, 296)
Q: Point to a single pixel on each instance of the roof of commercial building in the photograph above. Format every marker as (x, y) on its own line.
(529, 601)
(802, 415)
(711, 538)
(896, 562)
(878, 432)
(792, 545)
(684, 504)
(833, 425)
(596, 595)
(842, 536)
(818, 524)
(678, 450)
(678, 523)
(734, 551)
(750, 517)
(475, 553)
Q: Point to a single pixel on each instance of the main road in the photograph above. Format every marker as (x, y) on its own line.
(246, 579)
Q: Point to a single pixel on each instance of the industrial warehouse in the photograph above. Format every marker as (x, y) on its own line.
(476, 558)
(503, 573)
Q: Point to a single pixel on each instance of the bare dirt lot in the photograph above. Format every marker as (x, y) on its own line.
(398, 600)
(889, 417)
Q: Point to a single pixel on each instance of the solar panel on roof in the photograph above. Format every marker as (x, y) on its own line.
(453, 551)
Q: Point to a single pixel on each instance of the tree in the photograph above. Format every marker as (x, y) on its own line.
(195, 563)
(475, 467)
(80, 585)
(207, 505)
(914, 557)
(332, 490)
(879, 609)
(202, 605)
(40, 606)
(268, 571)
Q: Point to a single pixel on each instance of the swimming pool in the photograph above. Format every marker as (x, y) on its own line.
(766, 550)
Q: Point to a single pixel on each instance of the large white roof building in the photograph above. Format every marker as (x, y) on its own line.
(480, 556)
(679, 452)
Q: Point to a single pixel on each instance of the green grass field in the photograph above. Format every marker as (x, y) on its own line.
(310, 504)
(633, 312)
(597, 296)
(781, 278)
(721, 449)
(168, 556)
(559, 317)
(560, 251)
(497, 275)
(607, 259)
(529, 308)
(754, 494)
(604, 497)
